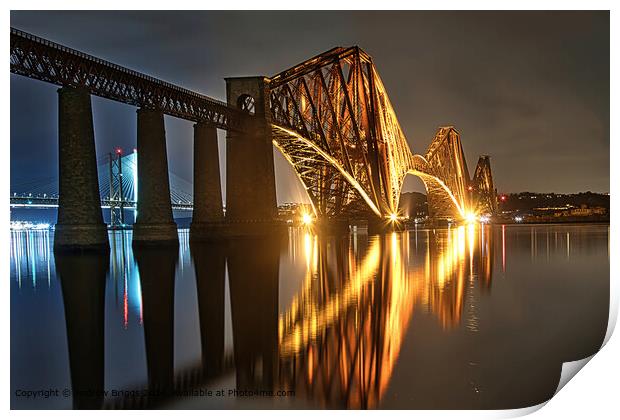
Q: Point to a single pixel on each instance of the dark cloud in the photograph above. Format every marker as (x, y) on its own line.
(529, 88)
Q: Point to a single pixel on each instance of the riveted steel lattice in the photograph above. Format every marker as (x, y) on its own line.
(337, 105)
(44, 60)
(446, 162)
(333, 120)
(483, 188)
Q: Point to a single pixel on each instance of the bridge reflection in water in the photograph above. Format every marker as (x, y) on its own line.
(401, 320)
(335, 341)
(340, 338)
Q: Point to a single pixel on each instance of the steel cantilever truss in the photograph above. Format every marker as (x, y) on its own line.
(333, 120)
(44, 60)
(445, 161)
(483, 188)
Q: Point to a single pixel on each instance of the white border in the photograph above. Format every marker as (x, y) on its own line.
(593, 394)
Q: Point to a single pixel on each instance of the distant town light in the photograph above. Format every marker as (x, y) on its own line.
(503, 198)
(23, 225)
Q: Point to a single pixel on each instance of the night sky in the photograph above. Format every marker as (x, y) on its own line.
(531, 89)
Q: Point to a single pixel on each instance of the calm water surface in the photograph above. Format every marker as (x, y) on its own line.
(467, 317)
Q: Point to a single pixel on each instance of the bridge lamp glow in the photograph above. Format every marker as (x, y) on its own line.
(306, 219)
(470, 217)
(393, 217)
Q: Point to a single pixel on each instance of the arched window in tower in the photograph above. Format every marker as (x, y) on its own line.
(246, 103)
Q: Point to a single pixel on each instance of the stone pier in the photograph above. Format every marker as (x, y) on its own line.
(251, 206)
(154, 221)
(208, 214)
(80, 221)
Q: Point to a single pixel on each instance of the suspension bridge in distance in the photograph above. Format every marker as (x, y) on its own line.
(118, 189)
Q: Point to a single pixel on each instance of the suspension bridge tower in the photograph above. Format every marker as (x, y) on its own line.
(117, 199)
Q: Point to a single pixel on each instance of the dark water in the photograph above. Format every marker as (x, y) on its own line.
(468, 317)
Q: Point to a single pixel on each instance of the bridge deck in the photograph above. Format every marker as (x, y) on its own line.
(41, 59)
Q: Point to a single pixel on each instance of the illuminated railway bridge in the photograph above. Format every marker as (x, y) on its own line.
(330, 117)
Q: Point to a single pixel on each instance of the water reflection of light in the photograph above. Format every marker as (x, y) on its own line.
(350, 333)
(139, 297)
(305, 315)
(482, 230)
(504, 247)
(450, 254)
(397, 316)
(308, 250)
(31, 257)
(124, 272)
(471, 232)
(125, 303)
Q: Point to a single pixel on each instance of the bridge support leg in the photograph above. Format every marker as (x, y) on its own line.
(251, 205)
(80, 221)
(154, 221)
(208, 214)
